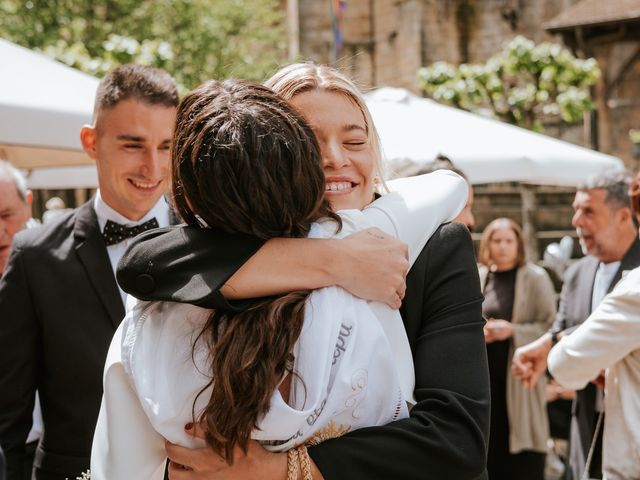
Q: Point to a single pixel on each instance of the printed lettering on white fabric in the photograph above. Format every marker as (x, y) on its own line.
(345, 332)
(311, 419)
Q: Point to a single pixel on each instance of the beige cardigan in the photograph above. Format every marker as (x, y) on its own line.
(534, 309)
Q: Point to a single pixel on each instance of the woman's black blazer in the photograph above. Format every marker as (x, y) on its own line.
(446, 435)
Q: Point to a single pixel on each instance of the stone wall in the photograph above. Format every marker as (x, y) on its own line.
(386, 41)
(623, 101)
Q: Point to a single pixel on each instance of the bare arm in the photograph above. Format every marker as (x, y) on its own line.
(205, 464)
(202, 267)
(369, 264)
(206, 267)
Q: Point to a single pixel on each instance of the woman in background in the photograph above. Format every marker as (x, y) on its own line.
(519, 306)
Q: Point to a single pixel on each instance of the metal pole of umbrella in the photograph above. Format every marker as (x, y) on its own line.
(528, 200)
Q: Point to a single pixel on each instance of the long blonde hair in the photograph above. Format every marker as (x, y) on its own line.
(298, 78)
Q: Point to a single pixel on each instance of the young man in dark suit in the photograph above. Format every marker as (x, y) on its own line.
(609, 239)
(446, 434)
(59, 301)
(60, 304)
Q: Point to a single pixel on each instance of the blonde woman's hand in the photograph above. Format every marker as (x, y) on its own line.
(206, 464)
(373, 266)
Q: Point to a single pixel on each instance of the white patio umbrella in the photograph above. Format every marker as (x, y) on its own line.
(414, 129)
(43, 105)
(57, 178)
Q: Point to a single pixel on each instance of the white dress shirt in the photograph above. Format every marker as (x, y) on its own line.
(104, 212)
(610, 339)
(601, 282)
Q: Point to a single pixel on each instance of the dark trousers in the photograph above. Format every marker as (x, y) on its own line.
(501, 464)
(521, 466)
(29, 456)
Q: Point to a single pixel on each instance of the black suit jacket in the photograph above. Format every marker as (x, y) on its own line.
(447, 432)
(2, 466)
(574, 308)
(59, 308)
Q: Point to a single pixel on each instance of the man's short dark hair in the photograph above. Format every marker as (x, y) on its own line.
(616, 185)
(139, 82)
(441, 162)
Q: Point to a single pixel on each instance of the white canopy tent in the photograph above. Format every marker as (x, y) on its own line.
(56, 178)
(414, 130)
(43, 105)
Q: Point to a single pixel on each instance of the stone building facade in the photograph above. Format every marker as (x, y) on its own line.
(386, 41)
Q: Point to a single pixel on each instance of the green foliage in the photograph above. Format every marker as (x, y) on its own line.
(194, 40)
(525, 84)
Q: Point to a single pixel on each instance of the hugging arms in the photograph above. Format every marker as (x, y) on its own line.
(445, 435)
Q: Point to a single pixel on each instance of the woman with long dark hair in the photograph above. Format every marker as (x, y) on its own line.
(446, 433)
(292, 370)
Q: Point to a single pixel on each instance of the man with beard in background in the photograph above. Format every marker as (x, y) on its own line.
(608, 237)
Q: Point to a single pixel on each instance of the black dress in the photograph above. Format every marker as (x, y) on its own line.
(499, 293)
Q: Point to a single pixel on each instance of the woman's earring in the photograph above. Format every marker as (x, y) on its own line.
(376, 185)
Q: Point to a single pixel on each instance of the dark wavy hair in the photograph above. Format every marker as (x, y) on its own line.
(245, 162)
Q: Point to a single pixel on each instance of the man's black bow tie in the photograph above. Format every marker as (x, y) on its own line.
(115, 232)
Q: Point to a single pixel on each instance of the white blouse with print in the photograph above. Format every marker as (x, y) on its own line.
(353, 363)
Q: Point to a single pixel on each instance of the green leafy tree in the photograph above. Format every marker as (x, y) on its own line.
(525, 84)
(194, 40)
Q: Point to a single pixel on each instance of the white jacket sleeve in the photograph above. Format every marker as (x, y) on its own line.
(610, 333)
(125, 445)
(417, 206)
